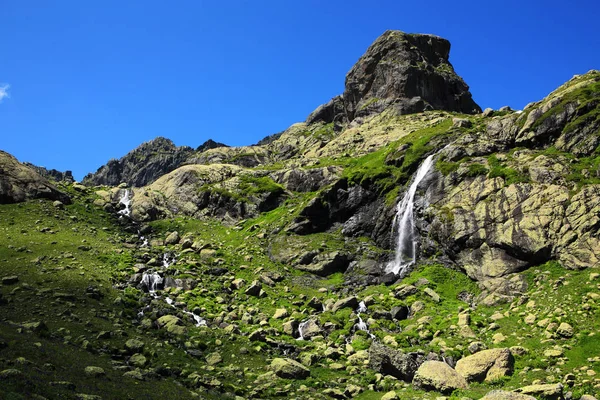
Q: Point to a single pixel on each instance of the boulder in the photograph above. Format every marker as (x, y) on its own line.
(486, 365)
(346, 302)
(94, 372)
(172, 238)
(289, 369)
(326, 264)
(172, 324)
(504, 395)
(549, 391)
(389, 361)
(437, 375)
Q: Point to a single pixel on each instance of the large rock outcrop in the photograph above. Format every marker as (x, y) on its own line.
(407, 72)
(502, 211)
(142, 165)
(19, 182)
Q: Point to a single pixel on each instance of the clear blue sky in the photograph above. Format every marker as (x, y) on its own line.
(91, 80)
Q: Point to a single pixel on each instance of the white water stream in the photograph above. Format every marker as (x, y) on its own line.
(404, 224)
(126, 201)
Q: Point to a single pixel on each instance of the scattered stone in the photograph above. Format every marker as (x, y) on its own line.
(403, 291)
(498, 338)
(351, 302)
(138, 360)
(214, 358)
(254, 289)
(486, 365)
(82, 396)
(10, 280)
(238, 283)
(172, 238)
(393, 362)
(554, 353)
(135, 374)
(11, 374)
(172, 324)
(94, 372)
(258, 335)
(134, 346)
(437, 375)
(432, 294)
(504, 395)
(550, 391)
(565, 330)
(289, 369)
(390, 396)
(291, 327)
(400, 313)
(281, 313)
(416, 307)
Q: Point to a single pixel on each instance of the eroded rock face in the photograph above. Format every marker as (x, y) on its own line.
(19, 182)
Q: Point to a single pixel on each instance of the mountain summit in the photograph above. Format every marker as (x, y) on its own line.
(408, 72)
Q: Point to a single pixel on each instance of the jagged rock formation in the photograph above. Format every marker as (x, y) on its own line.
(209, 144)
(19, 182)
(502, 211)
(53, 174)
(141, 166)
(408, 72)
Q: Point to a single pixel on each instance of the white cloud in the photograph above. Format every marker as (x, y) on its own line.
(4, 91)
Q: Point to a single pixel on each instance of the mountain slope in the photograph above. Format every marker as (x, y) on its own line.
(261, 271)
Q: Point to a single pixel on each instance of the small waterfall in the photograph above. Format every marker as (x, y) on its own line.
(126, 201)
(168, 260)
(301, 329)
(198, 319)
(152, 280)
(362, 325)
(404, 224)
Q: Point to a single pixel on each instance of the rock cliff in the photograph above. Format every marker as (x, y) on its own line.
(141, 166)
(19, 182)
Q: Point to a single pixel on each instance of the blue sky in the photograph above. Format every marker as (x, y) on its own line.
(82, 82)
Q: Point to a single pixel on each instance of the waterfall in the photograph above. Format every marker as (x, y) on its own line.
(152, 280)
(362, 325)
(126, 201)
(301, 329)
(404, 224)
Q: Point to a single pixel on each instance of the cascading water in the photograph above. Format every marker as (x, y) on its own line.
(168, 259)
(126, 201)
(198, 319)
(404, 224)
(152, 281)
(301, 329)
(362, 325)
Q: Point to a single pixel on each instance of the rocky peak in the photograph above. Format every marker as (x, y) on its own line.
(142, 165)
(408, 72)
(209, 144)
